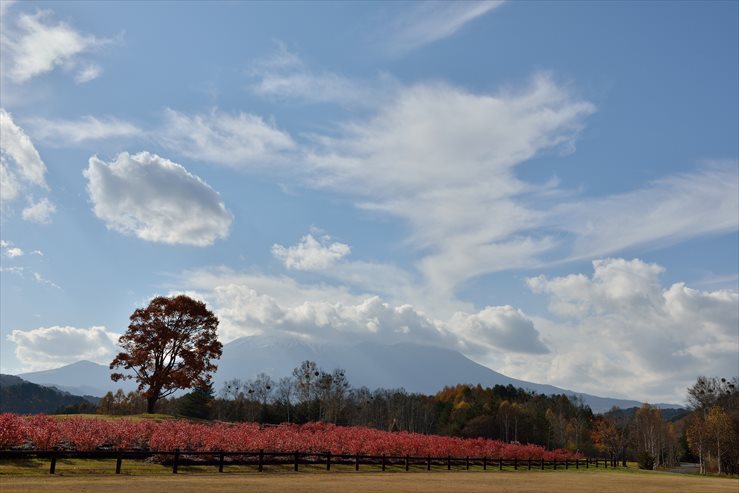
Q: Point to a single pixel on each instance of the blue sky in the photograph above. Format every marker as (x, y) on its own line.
(551, 188)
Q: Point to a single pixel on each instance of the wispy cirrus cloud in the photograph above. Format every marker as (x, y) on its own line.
(284, 76)
(64, 132)
(22, 171)
(426, 22)
(239, 140)
(671, 209)
(443, 159)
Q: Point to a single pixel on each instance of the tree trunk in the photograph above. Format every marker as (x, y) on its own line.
(150, 403)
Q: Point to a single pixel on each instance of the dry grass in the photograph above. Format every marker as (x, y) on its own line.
(373, 482)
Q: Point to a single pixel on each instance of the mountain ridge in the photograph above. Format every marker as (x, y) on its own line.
(415, 367)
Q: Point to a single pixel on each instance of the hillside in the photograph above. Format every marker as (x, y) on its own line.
(20, 396)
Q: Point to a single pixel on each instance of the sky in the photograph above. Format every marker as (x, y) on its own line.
(551, 188)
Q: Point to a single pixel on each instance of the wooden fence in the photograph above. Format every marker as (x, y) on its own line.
(260, 459)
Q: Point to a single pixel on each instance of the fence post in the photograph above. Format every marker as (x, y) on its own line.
(52, 466)
(542, 464)
(596, 463)
(260, 467)
(605, 463)
(500, 463)
(296, 461)
(448, 462)
(467, 463)
(220, 462)
(383, 462)
(555, 464)
(428, 463)
(118, 461)
(406, 462)
(485, 463)
(515, 463)
(356, 462)
(328, 460)
(175, 460)
(529, 463)
(577, 463)
(566, 465)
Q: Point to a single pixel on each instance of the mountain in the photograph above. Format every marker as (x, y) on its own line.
(81, 378)
(414, 367)
(20, 396)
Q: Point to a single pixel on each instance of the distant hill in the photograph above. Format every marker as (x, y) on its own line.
(22, 397)
(81, 378)
(414, 367)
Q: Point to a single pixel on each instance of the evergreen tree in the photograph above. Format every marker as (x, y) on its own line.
(197, 404)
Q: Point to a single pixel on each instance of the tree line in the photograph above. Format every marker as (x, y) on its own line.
(706, 433)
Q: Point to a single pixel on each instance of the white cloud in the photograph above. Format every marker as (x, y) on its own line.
(39, 212)
(42, 280)
(18, 149)
(88, 73)
(39, 45)
(156, 200)
(442, 159)
(622, 321)
(21, 169)
(50, 347)
(501, 327)
(256, 304)
(427, 22)
(72, 132)
(311, 254)
(14, 252)
(674, 208)
(240, 140)
(285, 76)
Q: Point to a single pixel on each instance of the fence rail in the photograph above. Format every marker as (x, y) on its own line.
(260, 459)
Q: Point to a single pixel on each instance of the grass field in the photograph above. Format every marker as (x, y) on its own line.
(374, 482)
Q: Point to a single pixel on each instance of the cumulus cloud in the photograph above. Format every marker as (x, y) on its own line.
(311, 254)
(501, 327)
(279, 306)
(240, 140)
(428, 22)
(39, 212)
(622, 321)
(50, 347)
(156, 200)
(71, 132)
(13, 252)
(38, 44)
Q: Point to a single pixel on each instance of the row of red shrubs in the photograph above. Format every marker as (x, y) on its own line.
(44, 432)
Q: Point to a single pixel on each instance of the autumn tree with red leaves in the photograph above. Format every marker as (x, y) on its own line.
(169, 345)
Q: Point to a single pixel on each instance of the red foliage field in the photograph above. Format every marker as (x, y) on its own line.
(44, 432)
